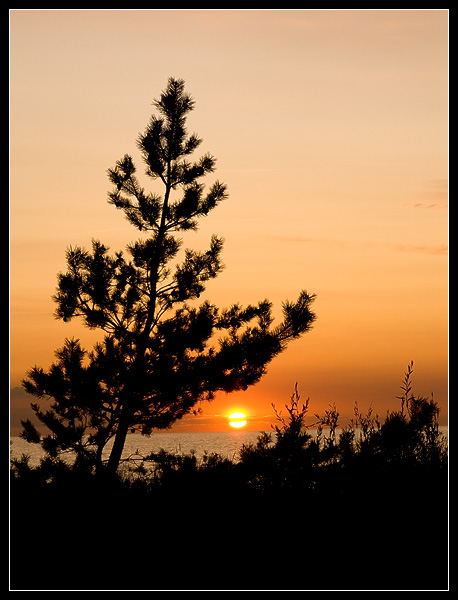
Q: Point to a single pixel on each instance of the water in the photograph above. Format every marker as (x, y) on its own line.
(225, 443)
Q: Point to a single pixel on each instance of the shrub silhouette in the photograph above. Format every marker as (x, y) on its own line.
(363, 509)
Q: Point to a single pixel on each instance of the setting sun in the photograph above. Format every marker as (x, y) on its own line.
(237, 420)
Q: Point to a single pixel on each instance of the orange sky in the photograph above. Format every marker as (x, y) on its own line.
(331, 132)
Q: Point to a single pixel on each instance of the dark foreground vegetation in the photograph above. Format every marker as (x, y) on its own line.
(365, 509)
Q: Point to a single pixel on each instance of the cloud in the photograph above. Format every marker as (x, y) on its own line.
(435, 195)
(434, 250)
(300, 239)
(437, 250)
(428, 206)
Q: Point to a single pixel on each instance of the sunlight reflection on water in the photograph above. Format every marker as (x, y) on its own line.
(225, 443)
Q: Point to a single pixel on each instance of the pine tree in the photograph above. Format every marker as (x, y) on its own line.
(162, 353)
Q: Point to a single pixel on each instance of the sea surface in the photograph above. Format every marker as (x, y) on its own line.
(225, 443)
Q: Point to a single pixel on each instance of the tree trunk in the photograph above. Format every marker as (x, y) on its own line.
(126, 412)
(118, 447)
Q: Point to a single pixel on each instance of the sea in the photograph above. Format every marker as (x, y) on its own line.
(225, 443)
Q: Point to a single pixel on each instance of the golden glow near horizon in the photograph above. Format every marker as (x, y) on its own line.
(330, 129)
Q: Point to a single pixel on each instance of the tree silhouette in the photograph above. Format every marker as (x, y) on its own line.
(161, 353)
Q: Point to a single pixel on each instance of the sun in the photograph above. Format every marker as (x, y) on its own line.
(237, 420)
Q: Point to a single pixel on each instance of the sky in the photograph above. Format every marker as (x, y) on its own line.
(330, 129)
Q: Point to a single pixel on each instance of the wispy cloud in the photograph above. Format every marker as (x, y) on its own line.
(433, 206)
(434, 195)
(437, 250)
(300, 239)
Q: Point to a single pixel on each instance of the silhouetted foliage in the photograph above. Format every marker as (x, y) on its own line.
(365, 508)
(161, 355)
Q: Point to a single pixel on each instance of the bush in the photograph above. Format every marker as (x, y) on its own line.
(374, 496)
